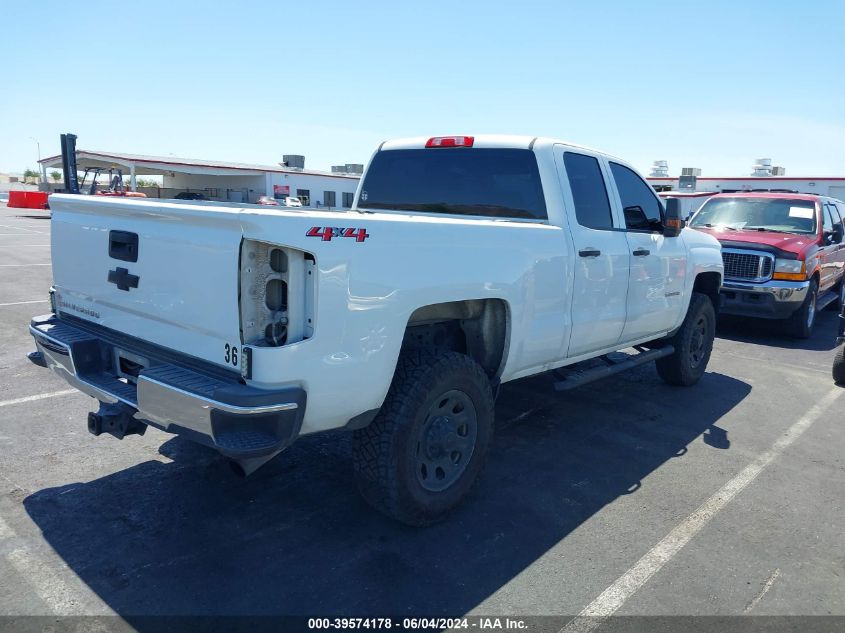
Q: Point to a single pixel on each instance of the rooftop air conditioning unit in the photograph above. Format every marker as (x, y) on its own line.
(293, 161)
(762, 168)
(690, 171)
(687, 182)
(338, 169)
(354, 168)
(778, 171)
(660, 169)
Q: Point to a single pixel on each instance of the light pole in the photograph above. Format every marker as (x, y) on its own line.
(41, 168)
(38, 146)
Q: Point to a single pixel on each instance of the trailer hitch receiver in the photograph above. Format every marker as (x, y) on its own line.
(115, 419)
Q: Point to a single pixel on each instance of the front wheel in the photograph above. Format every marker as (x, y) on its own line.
(424, 450)
(800, 324)
(693, 344)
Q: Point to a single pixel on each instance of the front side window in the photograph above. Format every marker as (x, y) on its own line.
(499, 183)
(828, 218)
(837, 212)
(642, 209)
(777, 215)
(589, 194)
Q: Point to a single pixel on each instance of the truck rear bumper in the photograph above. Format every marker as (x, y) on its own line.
(768, 300)
(171, 391)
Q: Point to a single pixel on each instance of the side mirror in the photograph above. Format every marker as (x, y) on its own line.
(674, 222)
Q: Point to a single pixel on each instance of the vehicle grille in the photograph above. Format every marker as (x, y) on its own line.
(747, 266)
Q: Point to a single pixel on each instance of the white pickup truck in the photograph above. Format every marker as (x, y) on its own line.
(465, 262)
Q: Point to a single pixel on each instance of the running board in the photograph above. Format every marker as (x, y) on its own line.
(824, 300)
(577, 378)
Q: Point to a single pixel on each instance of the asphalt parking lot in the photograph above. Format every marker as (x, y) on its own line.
(626, 496)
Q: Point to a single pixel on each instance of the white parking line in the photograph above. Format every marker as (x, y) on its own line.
(20, 303)
(5, 531)
(46, 584)
(39, 576)
(612, 598)
(766, 586)
(40, 396)
(9, 226)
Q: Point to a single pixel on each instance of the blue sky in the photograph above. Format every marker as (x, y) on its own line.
(707, 84)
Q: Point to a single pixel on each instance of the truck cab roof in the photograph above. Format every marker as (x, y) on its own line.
(772, 195)
(491, 141)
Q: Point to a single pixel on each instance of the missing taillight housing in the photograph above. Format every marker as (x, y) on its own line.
(276, 334)
(278, 260)
(276, 294)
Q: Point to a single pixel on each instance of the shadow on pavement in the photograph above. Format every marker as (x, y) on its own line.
(770, 332)
(186, 537)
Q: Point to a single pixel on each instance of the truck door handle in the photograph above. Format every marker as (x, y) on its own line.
(589, 252)
(641, 252)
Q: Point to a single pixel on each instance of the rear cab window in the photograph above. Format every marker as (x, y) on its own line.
(487, 182)
(589, 194)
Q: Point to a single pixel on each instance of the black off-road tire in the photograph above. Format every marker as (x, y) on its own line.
(839, 366)
(385, 453)
(693, 344)
(801, 323)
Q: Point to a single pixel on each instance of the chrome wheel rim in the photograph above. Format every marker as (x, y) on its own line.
(811, 313)
(446, 441)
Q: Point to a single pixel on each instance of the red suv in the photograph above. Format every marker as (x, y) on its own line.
(784, 254)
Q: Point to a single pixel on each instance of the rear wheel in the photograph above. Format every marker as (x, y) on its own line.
(839, 366)
(693, 344)
(423, 452)
(800, 324)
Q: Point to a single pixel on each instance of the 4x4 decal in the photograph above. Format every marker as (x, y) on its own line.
(326, 233)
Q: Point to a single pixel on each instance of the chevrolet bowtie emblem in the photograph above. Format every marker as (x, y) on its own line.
(122, 279)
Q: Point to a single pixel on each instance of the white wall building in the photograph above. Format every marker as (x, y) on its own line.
(218, 180)
(824, 186)
(764, 176)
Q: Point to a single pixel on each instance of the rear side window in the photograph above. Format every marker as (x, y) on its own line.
(592, 207)
(501, 183)
(643, 212)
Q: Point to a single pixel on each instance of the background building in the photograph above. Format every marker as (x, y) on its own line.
(763, 177)
(217, 180)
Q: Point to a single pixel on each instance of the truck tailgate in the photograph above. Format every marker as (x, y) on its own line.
(182, 290)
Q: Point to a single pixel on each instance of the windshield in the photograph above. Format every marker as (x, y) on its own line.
(758, 214)
(480, 181)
